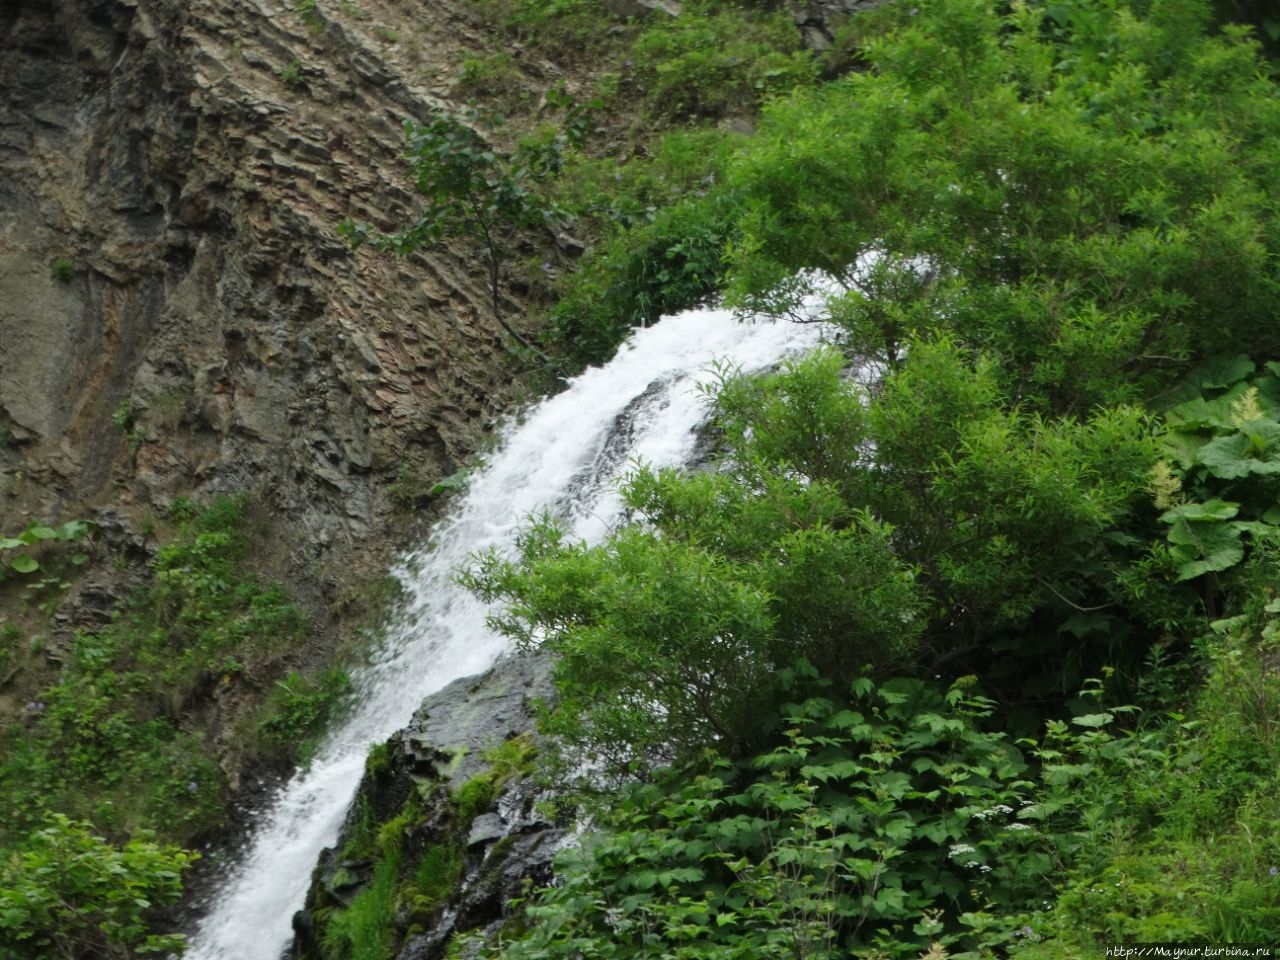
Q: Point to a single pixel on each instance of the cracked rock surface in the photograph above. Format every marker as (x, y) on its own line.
(177, 314)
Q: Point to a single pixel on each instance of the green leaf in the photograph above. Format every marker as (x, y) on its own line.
(74, 529)
(25, 563)
(1263, 434)
(1205, 548)
(1256, 528)
(1227, 457)
(1197, 512)
(1223, 373)
(644, 880)
(838, 770)
(1093, 720)
(455, 481)
(680, 875)
(1236, 455)
(1200, 413)
(848, 720)
(935, 831)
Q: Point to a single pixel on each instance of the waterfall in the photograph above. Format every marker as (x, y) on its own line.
(563, 457)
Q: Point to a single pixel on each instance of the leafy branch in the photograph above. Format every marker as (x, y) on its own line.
(24, 561)
(1220, 480)
(70, 893)
(476, 193)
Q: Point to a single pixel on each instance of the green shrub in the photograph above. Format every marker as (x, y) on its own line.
(875, 822)
(1168, 830)
(435, 875)
(107, 742)
(671, 264)
(291, 74)
(299, 710)
(70, 893)
(1220, 484)
(716, 59)
(62, 269)
(1097, 222)
(414, 868)
(972, 521)
(497, 76)
(309, 13)
(363, 930)
(554, 24)
(474, 797)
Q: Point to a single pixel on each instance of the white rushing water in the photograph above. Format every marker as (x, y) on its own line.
(564, 457)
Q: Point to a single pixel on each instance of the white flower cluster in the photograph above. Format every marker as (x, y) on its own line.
(1000, 809)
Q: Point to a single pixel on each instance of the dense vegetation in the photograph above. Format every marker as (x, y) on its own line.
(972, 652)
(967, 645)
(112, 768)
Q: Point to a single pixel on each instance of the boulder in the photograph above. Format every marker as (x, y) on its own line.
(451, 804)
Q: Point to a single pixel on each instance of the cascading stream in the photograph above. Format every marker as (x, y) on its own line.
(564, 457)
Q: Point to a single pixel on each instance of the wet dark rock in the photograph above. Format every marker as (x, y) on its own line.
(486, 828)
(473, 713)
(817, 20)
(639, 9)
(422, 787)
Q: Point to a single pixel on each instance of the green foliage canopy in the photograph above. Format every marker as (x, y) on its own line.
(1043, 216)
(68, 893)
(864, 530)
(1080, 191)
(880, 819)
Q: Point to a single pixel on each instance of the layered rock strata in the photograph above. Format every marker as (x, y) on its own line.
(177, 314)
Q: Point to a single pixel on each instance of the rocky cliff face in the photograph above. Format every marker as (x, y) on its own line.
(177, 315)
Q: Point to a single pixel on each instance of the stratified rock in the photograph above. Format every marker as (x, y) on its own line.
(177, 314)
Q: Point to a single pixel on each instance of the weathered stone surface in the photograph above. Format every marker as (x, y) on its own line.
(42, 323)
(469, 714)
(178, 317)
(486, 828)
(817, 19)
(496, 850)
(638, 9)
(154, 146)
